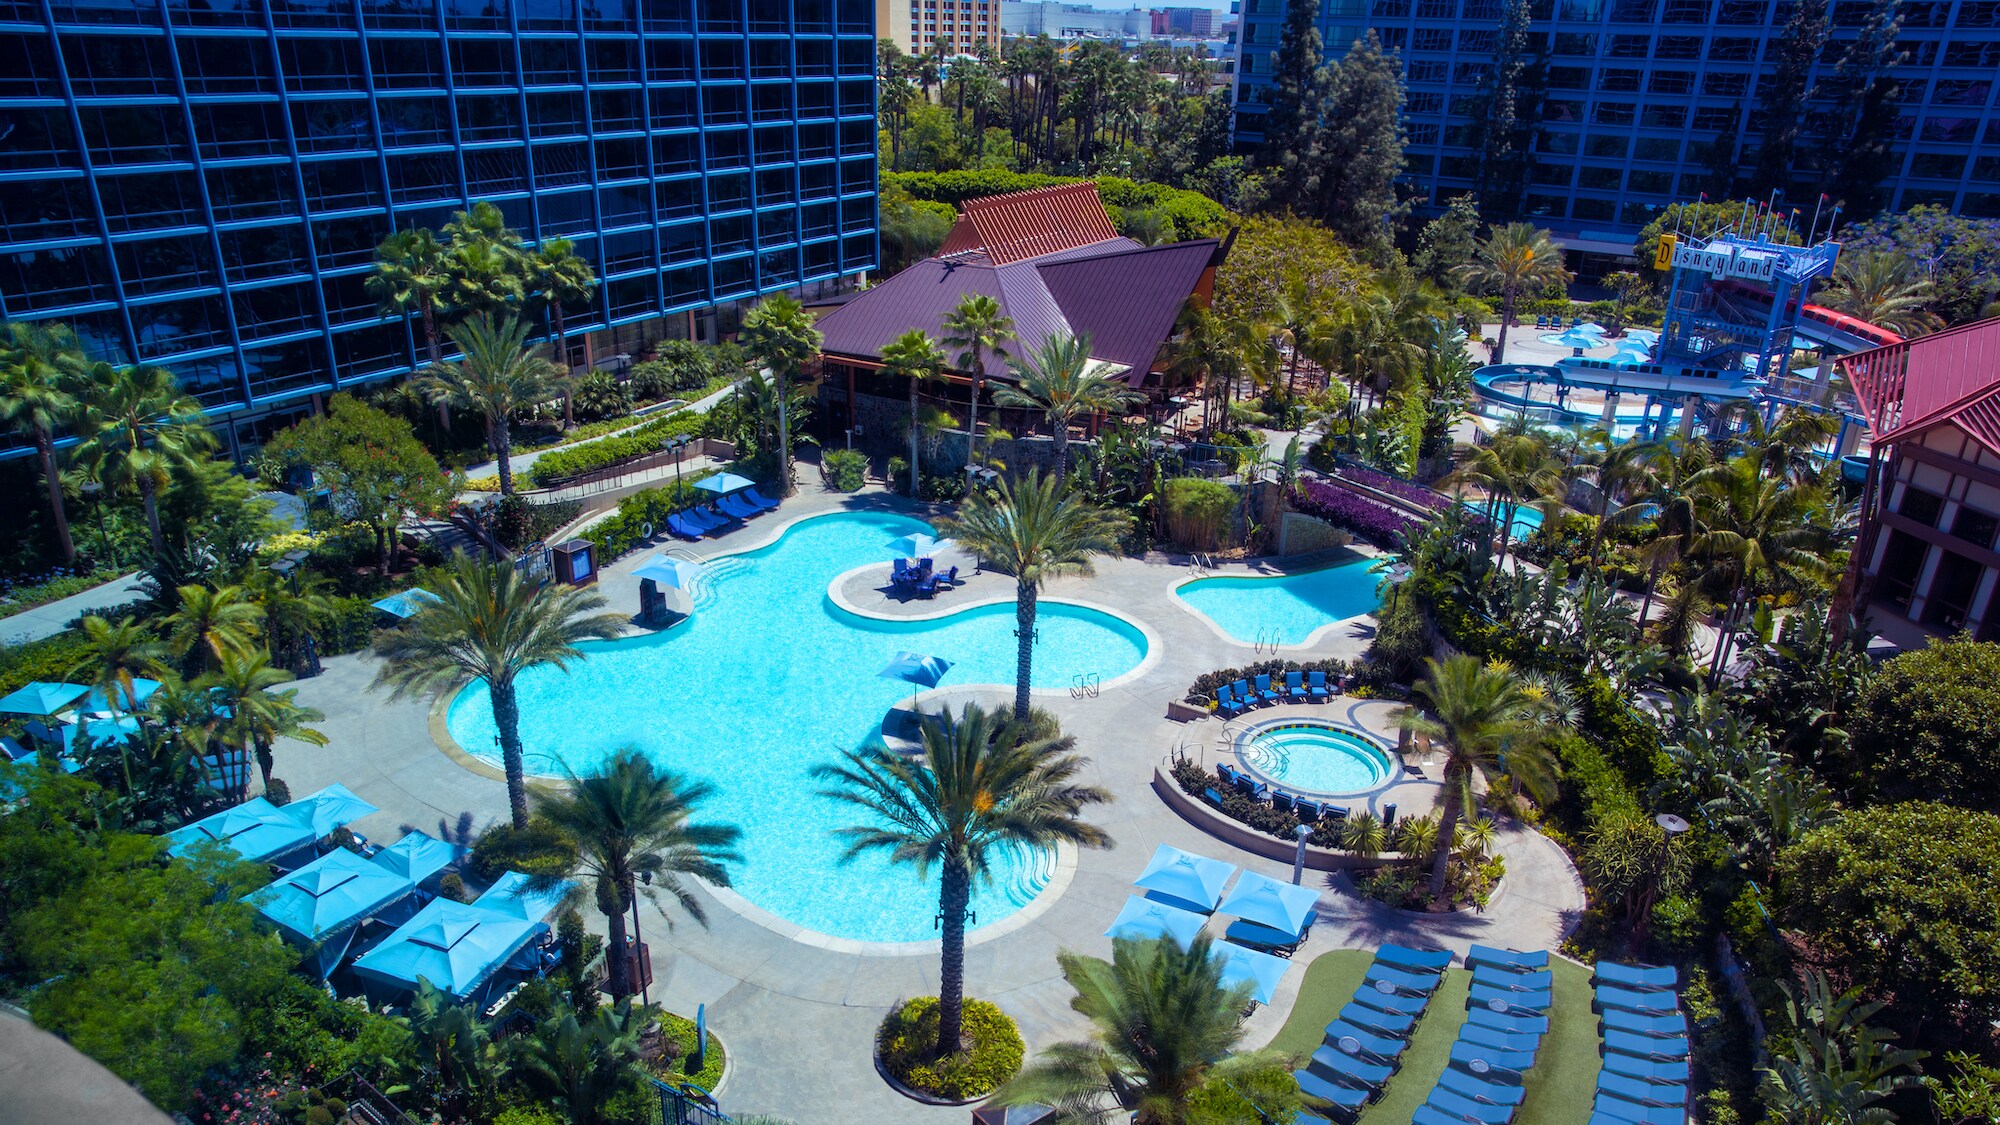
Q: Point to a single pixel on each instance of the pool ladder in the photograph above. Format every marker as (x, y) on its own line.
(1269, 640)
(1201, 564)
(1084, 685)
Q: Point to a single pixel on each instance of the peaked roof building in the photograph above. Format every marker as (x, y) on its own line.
(1053, 261)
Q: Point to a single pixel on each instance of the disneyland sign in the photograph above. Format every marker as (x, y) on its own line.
(1726, 260)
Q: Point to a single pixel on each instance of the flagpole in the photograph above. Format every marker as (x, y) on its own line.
(1815, 223)
(1745, 218)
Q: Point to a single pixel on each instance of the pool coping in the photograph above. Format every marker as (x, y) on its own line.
(1313, 639)
(1396, 775)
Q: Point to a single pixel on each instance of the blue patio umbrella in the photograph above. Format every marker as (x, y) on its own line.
(916, 668)
(1262, 970)
(327, 809)
(255, 830)
(41, 698)
(1267, 902)
(407, 603)
(456, 946)
(1643, 335)
(1575, 338)
(917, 546)
(1186, 879)
(724, 483)
(142, 690)
(1142, 920)
(417, 856)
(112, 731)
(510, 896)
(678, 573)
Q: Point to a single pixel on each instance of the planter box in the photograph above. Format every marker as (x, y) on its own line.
(1238, 834)
(1181, 711)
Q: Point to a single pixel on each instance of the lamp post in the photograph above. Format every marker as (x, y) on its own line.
(1299, 857)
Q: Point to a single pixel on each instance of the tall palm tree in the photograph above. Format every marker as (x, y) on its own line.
(558, 275)
(580, 1063)
(982, 787)
(1489, 722)
(779, 334)
(117, 654)
(975, 327)
(483, 263)
(294, 608)
(1060, 380)
(211, 625)
(1513, 469)
(135, 425)
(39, 367)
(631, 822)
(914, 356)
(410, 275)
(1162, 1025)
(497, 376)
(1033, 532)
(1882, 287)
(1513, 259)
(1753, 529)
(1623, 475)
(253, 716)
(452, 1046)
(491, 624)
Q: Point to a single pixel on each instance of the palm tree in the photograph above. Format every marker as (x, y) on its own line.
(913, 356)
(1162, 1024)
(1514, 259)
(1624, 478)
(982, 788)
(557, 275)
(1060, 380)
(491, 624)
(1488, 721)
(255, 717)
(134, 427)
(779, 334)
(580, 1064)
(975, 326)
(212, 625)
(452, 1046)
(498, 375)
(39, 366)
(483, 264)
(294, 609)
(1513, 469)
(1882, 287)
(410, 276)
(1034, 533)
(118, 654)
(1754, 529)
(630, 821)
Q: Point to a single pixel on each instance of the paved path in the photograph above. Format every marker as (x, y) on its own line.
(48, 620)
(799, 1016)
(520, 461)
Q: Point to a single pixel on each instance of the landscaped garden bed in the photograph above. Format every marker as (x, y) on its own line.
(905, 1047)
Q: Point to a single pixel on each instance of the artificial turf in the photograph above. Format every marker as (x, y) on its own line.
(1560, 1087)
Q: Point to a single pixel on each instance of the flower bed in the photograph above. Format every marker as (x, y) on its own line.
(583, 457)
(677, 1035)
(909, 1032)
(1376, 522)
(1395, 486)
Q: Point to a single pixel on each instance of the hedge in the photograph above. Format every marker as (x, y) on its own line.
(1377, 522)
(631, 445)
(54, 659)
(1193, 215)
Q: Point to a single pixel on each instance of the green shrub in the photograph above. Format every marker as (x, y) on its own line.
(452, 887)
(677, 1032)
(526, 1115)
(1200, 513)
(539, 848)
(585, 456)
(910, 1031)
(899, 475)
(1192, 214)
(676, 366)
(600, 395)
(845, 470)
(625, 529)
(350, 629)
(51, 658)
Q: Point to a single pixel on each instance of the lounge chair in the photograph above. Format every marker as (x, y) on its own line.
(1397, 1024)
(1265, 691)
(1485, 1113)
(716, 513)
(1228, 773)
(1486, 994)
(1541, 981)
(1638, 978)
(1334, 812)
(1644, 1093)
(1467, 1084)
(1382, 1047)
(1508, 959)
(1307, 808)
(1432, 1115)
(1467, 1054)
(950, 578)
(1638, 1023)
(927, 586)
(1252, 788)
(1650, 1003)
(708, 519)
(1425, 983)
(1281, 800)
(1611, 1108)
(1336, 1063)
(1520, 1023)
(1645, 1046)
(739, 507)
(1542, 320)
(1295, 687)
(1243, 692)
(758, 499)
(899, 572)
(1341, 1094)
(1503, 1040)
(1656, 1071)
(1394, 1003)
(679, 525)
(1211, 796)
(1316, 687)
(1254, 935)
(1416, 960)
(1227, 703)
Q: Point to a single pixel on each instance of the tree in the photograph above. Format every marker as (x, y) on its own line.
(1293, 120)
(1882, 287)
(632, 822)
(1448, 242)
(1511, 260)
(1033, 532)
(1925, 727)
(134, 426)
(1061, 380)
(39, 366)
(1973, 1095)
(1753, 530)
(491, 624)
(1896, 900)
(497, 376)
(779, 334)
(579, 1063)
(373, 467)
(1510, 118)
(1785, 96)
(1959, 257)
(483, 266)
(983, 787)
(1858, 144)
(410, 276)
(118, 654)
(1839, 1068)
(975, 326)
(1513, 469)
(1163, 1027)
(211, 625)
(453, 1047)
(914, 356)
(1488, 722)
(557, 276)
(254, 716)
(1627, 289)
(1357, 151)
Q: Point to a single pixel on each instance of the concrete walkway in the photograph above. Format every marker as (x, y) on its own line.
(798, 1014)
(48, 620)
(520, 461)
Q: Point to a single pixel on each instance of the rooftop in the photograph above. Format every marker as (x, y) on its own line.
(1949, 377)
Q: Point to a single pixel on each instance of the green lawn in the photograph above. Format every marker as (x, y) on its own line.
(1560, 1087)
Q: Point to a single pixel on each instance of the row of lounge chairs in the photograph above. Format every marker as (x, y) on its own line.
(1557, 322)
(1506, 1016)
(921, 579)
(1308, 809)
(1298, 687)
(1364, 1044)
(723, 515)
(1645, 1076)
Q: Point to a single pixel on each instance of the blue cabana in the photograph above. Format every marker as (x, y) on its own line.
(1267, 902)
(41, 698)
(1261, 970)
(1184, 879)
(1146, 921)
(458, 948)
(326, 809)
(323, 903)
(255, 830)
(406, 604)
(142, 690)
(417, 857)
(511, 896)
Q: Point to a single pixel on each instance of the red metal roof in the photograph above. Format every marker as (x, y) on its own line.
(1952, 376)
(1029, 224)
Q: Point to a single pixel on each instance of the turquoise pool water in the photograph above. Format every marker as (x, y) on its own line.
(1285, 609)
(768, 679)
(1526, 520)
(1314, 758)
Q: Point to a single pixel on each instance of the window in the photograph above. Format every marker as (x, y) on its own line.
(275, 310)
(1594, 209)
(1678, 47)
(39, 209)
(1550, 175)
(1572, 43)
(1987, 169)
(1978, 13)
(1717, 84)
(1427, 72)
(1741, 12)
(239, 130)
(1974, 526)
(1670, 82)
(1470, 74)
(340, 126)
(320, 64)
(1972, 54)
(1634, 11)
(1432, 39)
(117, 64)
(1664, 116)
(1547, 206)
(1558, 144)
(1937, 166)
(1612, 146)
(1712, 119)
(617, 111)
(249, 255)
(729, 192)
(1921, 506)
(1657, 148)
(556, 113)
(1630, 46)
(1958, 93)
(1651, 183)
(1958, 130)
(724, 105)
(411, 122)
(175, 327)
(1599, 179)
(482, 62)
(722, 61)
(338, 185)
(1952, 588)
(405, 64)
(1732, 50)
(225, 66)
(38, 280)
(1612, 113)
(1477, 41)
(550, 62)
(613, 60)
(149, 134)
(1425, 103)
(1687, 11)
(1618, 81)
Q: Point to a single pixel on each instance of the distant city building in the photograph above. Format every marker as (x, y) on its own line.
(1073, 21)
(916, 24)
(1195, 23)
(1639, 91)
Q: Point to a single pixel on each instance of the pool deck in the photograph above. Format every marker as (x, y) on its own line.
(799, 1014)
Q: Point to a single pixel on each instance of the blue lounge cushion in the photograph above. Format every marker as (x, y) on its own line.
(1322, 1088)
(1264, 689)
(1295, 685)
(1470, 1085)
(1639, 978)
(1518, 1022)
(1647, 1070)
(1468, 1054)
(1316, 685)
(1395, 1024)
(1384, 1047)
(1400, 1003)
(1414, 960)
(1639, 1023)
(1509, 959)
(1634, 1113)
(1504, 1040)
(1646, 1046)
(1407, 981)
(1651, 1003)
(758, 498)
(1534, 981)
(1259, 936)
(1486, 994)
(1307, 808)
(1432, 1115)
(1465, 1107)
(1338, 1064)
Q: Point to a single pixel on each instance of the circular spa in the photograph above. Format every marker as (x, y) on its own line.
(770, 679)
(1308, 756)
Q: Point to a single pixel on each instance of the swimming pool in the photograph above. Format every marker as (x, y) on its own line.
(1527, 520)
(1283, 610)
(1314, 757)
(770, 678)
